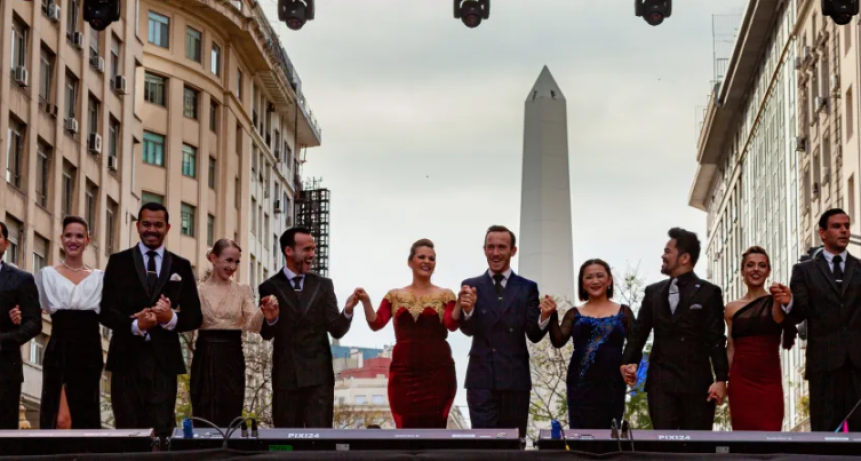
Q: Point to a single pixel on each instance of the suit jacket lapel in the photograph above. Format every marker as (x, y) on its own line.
(283, 285)
(309, 292)
(164, 275)
(822, 264)
(139, 268)
(851, 262)
(5, 275)
(487, 290)
(687, 295)
(509, 294)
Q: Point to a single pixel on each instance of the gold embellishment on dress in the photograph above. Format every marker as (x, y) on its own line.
(416, 305)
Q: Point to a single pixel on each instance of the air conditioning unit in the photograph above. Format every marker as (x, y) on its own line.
(113, 162)
(121, 85)
(277, 207)
(71, 125)
(94, 143)
(51, 109)
(22, 77)
(78, 40)
(98, 63)
(800, 144)
(816, 190)
(53, 12)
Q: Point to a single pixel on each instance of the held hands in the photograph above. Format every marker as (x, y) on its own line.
(466, 298)
(146, 319)
(162, 310)
(717, 392)
(548, 307)
(15, 315)
(269, 306)
(782, 294)
(359, 294)
(629, 373)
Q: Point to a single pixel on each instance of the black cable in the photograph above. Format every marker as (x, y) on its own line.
(208, 422)
(234, 426)
(847, 416)
(564, 439)
(630, 433)
(614, 433)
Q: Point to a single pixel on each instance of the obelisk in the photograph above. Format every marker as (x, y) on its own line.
(546, 246)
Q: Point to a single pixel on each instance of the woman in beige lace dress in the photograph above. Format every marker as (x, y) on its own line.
(218, 365)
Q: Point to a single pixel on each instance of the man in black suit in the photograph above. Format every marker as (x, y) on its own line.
(686, 314)
(303, 381)
(149, 297)
(17, 288)
(500, 310)
(826, 291)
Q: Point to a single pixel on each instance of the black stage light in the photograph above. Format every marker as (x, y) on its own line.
(101, 13)
(653, 11)
(840, 11)
(295, 13)
(471, 12)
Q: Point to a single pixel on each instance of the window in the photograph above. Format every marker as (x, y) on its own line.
(138, 18)
(115, 57)
(68, 188)
(20, 33)
(149, 197)
(153, 149)
(46, 74)
(187, 212)
(361, 400)
(111, 213)
(159, 30)
(210, 230)
(154, 89)
(266, 229)
(192, 44)
(850, 119)
(37, 349)
(237, 190)
(92, 196)
(851, 197)
(94, 42)
(189, 159)
(114, 137)
(15, 228)
(189, 102)
(73, 13)
(254, 216)
(71, 94)
(239, 84)
(40, 252)
(213, 116)
(93, 114)
(212, 172)
(15, 152)
(43, 173)
(215, 60)
(378, 400)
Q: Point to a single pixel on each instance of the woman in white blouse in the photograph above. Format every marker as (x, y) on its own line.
(72, 366)
(218, 365)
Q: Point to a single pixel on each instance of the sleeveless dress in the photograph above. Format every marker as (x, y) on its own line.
(755, 386)
(596, 389)
(422, 379)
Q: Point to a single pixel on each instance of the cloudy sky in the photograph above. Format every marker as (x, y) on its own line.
(423, 130)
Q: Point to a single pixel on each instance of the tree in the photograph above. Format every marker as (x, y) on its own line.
(361, 416)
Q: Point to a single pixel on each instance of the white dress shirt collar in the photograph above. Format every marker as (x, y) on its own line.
(145, 249)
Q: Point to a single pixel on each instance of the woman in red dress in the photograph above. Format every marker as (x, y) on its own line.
(422, 380)
(755, 327)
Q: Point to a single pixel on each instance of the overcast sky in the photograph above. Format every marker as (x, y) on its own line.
(422, 124)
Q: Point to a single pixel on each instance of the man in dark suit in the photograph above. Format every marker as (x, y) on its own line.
(826, 291)
(300, 322)
(686, 314)
(149, 297)
(500, 310)
(17, 288)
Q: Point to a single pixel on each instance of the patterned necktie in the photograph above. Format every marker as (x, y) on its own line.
(674, 295)
(297, 287)
(837, 271)
(497, 283)
(151, 272)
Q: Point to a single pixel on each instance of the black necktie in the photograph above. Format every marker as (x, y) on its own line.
(497, 283)
(297, 287)
(837, 271)
(151, 272)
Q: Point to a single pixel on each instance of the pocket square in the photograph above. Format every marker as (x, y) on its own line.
(696, 306)
(175, 278)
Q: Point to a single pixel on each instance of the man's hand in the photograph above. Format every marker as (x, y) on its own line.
(782, 294)
(629, 373)
(548, 307)
(162, 310)
(466, 298)
(269, 306)
(717, 392)
(363, 295)
(15, 315)
(146, 319)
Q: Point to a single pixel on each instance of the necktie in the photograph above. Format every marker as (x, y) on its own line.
(151, 272)
(497, 283)
(297, 287)
(837, 271)
(674, 295)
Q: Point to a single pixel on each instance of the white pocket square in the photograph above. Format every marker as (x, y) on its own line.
(175, 278)
(696, 306)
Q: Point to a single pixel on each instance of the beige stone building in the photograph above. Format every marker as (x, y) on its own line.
(191, 103)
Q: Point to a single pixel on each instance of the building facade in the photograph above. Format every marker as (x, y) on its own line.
(190, 103)
(747, 175)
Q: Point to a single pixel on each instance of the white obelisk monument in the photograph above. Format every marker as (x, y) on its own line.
(546, 246)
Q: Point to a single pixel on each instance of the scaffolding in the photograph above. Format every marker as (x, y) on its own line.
(312, 212)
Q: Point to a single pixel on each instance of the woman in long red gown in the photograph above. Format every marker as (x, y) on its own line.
(756, 327)
(422, 380)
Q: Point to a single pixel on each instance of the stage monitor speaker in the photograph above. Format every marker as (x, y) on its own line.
(744, 442)
(351, 439)
(52, 442)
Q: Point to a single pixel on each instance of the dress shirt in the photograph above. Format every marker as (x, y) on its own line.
(290, 276)
(171, 324)
(830, 259)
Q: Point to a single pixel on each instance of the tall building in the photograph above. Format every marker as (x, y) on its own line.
(747, 175)
(191, 103)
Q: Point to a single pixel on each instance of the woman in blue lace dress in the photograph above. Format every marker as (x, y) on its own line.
(599, 328)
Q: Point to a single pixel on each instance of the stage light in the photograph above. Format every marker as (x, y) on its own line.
(471, 12)
(101, 13)
(840, 11)
(295, 12)
(653, 11)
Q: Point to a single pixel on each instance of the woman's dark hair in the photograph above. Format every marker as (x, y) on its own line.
(76, 220)
(755, 250)
(581, 290)
(418, 244)
(223, 244)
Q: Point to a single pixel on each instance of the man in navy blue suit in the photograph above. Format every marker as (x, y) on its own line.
(500, 310)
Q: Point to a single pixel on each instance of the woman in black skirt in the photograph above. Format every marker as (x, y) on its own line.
(218, 364)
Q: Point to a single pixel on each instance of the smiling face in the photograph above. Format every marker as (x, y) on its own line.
(152, 228)
(755, 270)
(423, 262)
(499, 251)
(301, 255)
(75, 239)
(226, 263)
(596, 281)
